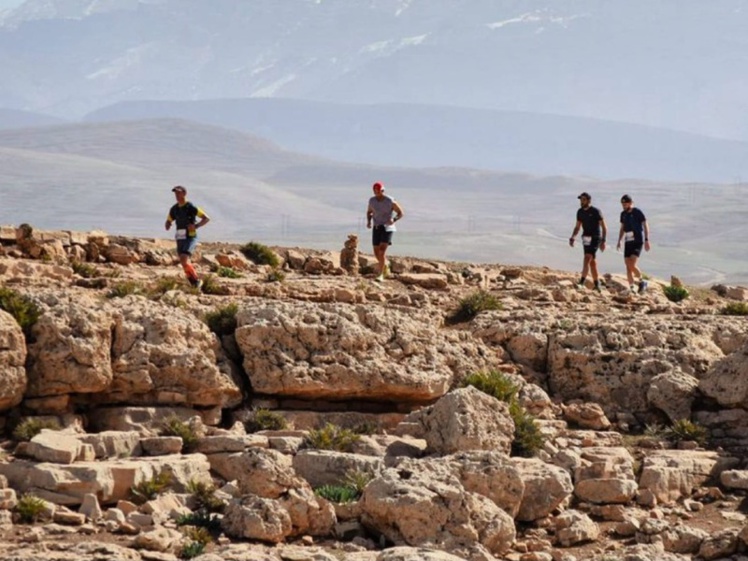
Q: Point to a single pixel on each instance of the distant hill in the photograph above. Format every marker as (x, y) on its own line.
(674, 64)
(427, 136)
(118, 176)
(15, 119)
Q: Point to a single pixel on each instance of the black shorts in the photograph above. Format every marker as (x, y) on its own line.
(380, 235)
(591, 247)
(632, 249)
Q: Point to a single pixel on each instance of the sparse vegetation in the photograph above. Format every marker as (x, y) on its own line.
(472, 304)
(126, 288)
(28, 429)
(528, 439)
(338, 493)
(358, 480)
(212, 286)
(222, 321)
(493, 383)
(173, 426)
(30, 508)
(228, 273)
(149, 489)
(85, 270)
(276, 275)
(22, 308)
(675, 293)
(191, 550)
(204, 496)
(684, 429)
(201, 519)
(263, 419)
(260, 254)
(735, 309)
(198, 534)
(166, 284)
(332, 437)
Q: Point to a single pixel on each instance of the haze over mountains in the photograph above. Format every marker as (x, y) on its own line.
(281, 114)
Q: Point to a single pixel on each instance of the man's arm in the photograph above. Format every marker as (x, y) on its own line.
(620, 236)
(577, 226)
(398, 212)
(369, 216)
(169, 220)
(647, 246)
(604, 229)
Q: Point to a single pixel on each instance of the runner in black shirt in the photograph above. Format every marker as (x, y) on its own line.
(634, 233)
(594, 231)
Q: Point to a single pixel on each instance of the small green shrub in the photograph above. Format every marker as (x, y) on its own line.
(358, 480)
(222, 321)
(204, 496)
(338, 493)
(684, 429)
(528, 440)
(166, 284)
(675, 293)
(228, 273)
(85, 270)
(149, 489)
(126, 288)
(30, 508)
(22, 308)
(212, 286)
(735, 309)
(201, 519)
(260, 254)
(496, 384)
(29, 428)
(198, 534)
(191, 550)
(472, 305)
(332, 437)
(173, 426)
(262, 419)
(276, 275)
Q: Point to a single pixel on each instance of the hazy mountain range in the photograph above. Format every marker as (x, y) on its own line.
(118, 176)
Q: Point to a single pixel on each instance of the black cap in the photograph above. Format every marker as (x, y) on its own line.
(585, 195)
(626, 199)
(179, 188)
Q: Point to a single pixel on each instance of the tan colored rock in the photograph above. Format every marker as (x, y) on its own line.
(90, 507)
(71, 349)
(113, 444)
(327, 467)
(673, 474)
(54, 446)
(62, 516)
(161, 354)
(8, 499)
(257, 518)
(12, 362)
(336, 351)
(546, 487)
(262, 472)
(413, 509)
(466, 419)
(160, 539)
(586, 416)
(673, 393)
(606, 490)
(574, 527)
(161, 445)
(683, 539)
(146, 421)
(228, 443)
(430, 281)
(404, 553)
(164, 507)
(120, 254)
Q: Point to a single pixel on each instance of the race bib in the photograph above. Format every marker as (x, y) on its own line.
(586, 240)
(181, 234)
(629, 236)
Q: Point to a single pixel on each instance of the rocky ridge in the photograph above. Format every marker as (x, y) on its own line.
(121, 347)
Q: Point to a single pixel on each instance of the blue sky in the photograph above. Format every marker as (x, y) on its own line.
(9, 3)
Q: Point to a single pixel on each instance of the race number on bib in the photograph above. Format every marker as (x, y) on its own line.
(629, 237)
(181, 234)
(586, 240)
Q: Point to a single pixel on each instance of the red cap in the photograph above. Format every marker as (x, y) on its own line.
(378, 186)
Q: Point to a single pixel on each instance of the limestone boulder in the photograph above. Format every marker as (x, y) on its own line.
(410, 508)
(335, 351)
(673, 393)
(164, 355)
(574, 527)
(727, 380)
(54, 446)
(327, 467)
(546, 487)
(71, 348)
(257, 518)
(258, 471)
(12, 362)
(404, 553)
(671, 475)
(465, 419)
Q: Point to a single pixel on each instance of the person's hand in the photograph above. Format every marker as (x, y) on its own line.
(647, 246)
(167, 225)
(618, 247)
(602, 246)
(571, 242)
(368, 225)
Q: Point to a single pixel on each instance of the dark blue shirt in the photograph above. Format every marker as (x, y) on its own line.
(633, 222)
(590, 218)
